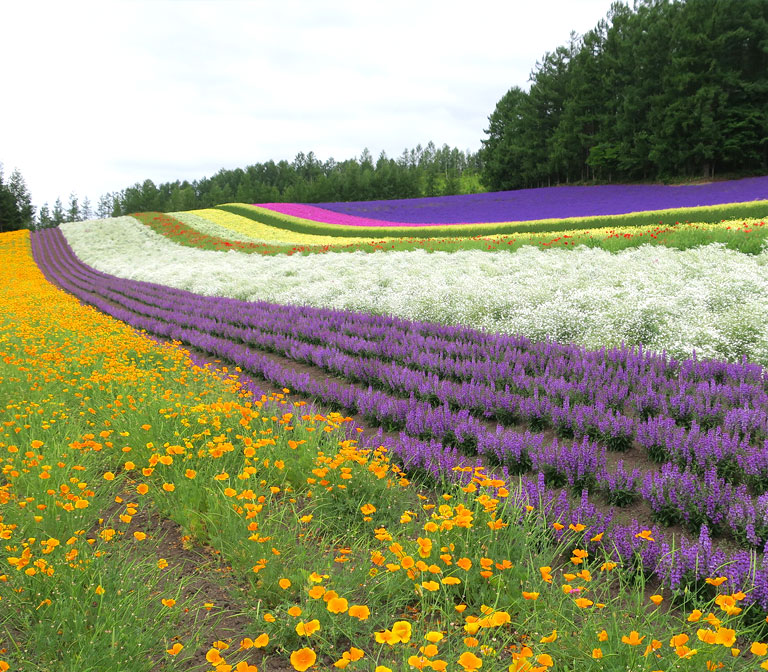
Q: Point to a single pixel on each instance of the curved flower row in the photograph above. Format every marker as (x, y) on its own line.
(228, 225)
(222, 221)
(707, 299)
(669, 389)
(533, 204)
(431, 455)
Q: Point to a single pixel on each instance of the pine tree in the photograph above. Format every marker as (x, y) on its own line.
(57, 216)
(104, 206)
(10, 215)
(44, 220)
(18, 188)
(85, 209)
(73, 211)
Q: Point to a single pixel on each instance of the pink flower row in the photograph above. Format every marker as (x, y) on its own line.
(315, 214)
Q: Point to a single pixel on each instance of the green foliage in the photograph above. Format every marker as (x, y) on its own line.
(57, 216)
(16, 210)
(664, 90)
(73, 210)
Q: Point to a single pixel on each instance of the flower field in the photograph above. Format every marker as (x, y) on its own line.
(521, 211)
(216, 222)
(218, 229)
(526, 457)
(535, 204)
(708, 298)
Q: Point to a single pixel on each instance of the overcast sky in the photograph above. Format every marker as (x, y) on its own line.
(100, 95)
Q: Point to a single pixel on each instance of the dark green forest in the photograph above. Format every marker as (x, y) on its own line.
(664, 90)
(16, 210)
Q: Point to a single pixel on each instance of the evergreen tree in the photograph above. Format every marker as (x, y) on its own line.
(104, 206)
(117, 204)
(57, 214)
(44, 220)
(86, 212)
(142, 197)
(11, 215)
(73, 209)
(503, 153)
(18, 188)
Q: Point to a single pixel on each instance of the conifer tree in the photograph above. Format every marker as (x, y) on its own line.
(57, 214)
(73, 210)
(44, 220)
(18, 188)
(86, 212)
(14, 210)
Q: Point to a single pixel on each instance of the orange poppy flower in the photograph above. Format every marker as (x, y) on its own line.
(175, 649)
(307, 629)
(402, 630)
(633, 639)
(469, 661)
(678, 640)
(359, 611)
(303, 659)
(337, 605)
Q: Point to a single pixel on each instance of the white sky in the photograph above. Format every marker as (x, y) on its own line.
(100, 95)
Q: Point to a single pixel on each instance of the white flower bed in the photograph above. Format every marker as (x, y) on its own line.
(709, 299)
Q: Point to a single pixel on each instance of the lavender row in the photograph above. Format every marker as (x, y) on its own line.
(581, 465)
(563, 464)
(552, 202)
(739, 406)
(520, 364)
(691, 561)
(695, 450)
(555, 410)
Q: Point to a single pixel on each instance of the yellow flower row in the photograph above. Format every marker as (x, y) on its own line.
(579, 235)
(267, 233)
(243, 225)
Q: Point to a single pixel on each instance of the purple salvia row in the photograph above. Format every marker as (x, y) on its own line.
(346, 395)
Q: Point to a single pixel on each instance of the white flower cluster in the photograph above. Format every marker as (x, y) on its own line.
(709, 299)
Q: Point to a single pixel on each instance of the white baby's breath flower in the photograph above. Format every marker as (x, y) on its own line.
(709, 299)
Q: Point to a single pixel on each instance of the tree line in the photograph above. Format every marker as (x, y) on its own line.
(666, 89)
(422, 171)
(16, 209)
